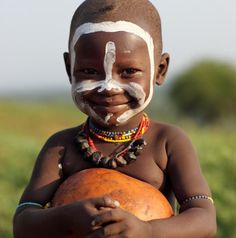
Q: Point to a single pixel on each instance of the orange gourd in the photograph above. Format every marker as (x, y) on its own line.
(135, 196)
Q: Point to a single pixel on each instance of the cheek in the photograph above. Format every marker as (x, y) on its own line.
(144, 83)
(78, 97)
(142, 88)
(146, 87)
(79, 101)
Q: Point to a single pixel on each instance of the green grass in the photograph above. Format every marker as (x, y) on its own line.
(24, 127)
(217, 153)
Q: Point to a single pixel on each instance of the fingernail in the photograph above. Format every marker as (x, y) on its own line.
(117, 204)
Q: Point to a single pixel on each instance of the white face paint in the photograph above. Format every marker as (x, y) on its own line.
(109, 60)
(135, 90)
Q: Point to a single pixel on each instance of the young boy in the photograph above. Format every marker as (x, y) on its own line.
(115, 58)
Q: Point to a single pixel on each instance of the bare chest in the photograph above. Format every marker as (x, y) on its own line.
(149, 166)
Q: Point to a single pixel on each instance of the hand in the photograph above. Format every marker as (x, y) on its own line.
(117, 223)
(79, 215)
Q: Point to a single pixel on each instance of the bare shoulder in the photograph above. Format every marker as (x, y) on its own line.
(178, 145)
(169, 133)
(47, 174)
(62, 138)
(183, 167)
(56, 146)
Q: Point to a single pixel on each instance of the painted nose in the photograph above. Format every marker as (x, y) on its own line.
(111, 92)
(110, 83)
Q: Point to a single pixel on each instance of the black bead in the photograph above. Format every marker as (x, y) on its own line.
(87, 154)
(130, 157)
(104, 161)
(112, 164)
(96, 156)
(121, 161)
(139, 142)
(137, 152)
(84, 146)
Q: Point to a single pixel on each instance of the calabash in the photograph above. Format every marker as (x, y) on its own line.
(135, 196)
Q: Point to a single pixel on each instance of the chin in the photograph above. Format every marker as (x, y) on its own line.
(110, 117)
(104, 120)
(107, 121)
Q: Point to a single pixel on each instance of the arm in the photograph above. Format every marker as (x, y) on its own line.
(58, 222)
(64, 221)
(44, 181)
(197, 218)
(33, 222)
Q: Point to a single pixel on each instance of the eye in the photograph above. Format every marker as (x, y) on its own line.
(88, 71)
(128, 72)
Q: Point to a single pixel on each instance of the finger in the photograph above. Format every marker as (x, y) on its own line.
(105, 202)
(117, 236)
(120, 235)
(111, 230)
(103, 209)
(113, 215)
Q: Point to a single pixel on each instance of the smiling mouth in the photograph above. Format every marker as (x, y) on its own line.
(110, 107)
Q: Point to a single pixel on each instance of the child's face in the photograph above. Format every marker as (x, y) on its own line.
(112, 75)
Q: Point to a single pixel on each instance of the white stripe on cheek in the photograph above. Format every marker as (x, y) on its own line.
(109, 83)
(109, 26)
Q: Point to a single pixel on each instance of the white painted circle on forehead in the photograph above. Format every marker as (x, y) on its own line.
(119, 26)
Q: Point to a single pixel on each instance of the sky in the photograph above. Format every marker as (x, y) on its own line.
(34, 35)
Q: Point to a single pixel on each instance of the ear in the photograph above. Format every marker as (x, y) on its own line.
(67, 64)
(162, 68)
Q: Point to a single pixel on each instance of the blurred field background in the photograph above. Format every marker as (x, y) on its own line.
(31, 63)
(26, 123)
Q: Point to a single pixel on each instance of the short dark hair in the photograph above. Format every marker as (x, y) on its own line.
(140, 12)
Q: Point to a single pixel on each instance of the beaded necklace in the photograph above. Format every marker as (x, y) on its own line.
(117, 136)
(110, 136)
(122, 155)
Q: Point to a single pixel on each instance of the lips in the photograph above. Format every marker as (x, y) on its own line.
(109, 104)
(108, 100)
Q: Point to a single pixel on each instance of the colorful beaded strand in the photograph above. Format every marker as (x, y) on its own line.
(116, 137)
(121, 158)
(197, 197)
